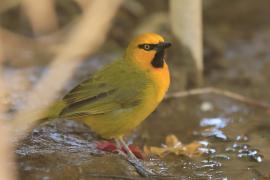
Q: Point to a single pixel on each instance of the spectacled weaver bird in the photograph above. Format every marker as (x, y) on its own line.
(119, 97)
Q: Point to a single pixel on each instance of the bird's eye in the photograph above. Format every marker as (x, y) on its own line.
(147, 47)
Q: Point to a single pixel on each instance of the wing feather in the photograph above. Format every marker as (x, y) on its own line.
(117, 87)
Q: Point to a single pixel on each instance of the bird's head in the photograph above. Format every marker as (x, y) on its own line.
(148, 50)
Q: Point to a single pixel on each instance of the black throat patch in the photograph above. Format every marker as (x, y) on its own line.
(158, 61)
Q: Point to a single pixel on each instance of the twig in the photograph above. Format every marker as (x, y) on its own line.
(85, 38)
(226, 93)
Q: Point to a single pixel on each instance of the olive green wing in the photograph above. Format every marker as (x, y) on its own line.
(117, 87)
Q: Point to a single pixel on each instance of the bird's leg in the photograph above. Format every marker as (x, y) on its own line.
(133, 159)
(122, 143)
(119, 148)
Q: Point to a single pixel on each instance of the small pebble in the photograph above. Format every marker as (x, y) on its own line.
(207, 106)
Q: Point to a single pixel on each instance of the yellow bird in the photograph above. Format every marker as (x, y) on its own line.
(119, 97)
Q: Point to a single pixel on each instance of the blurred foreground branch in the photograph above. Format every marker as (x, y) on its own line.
(83, 4)
(20, 50)
(41, 14)
(8, 4)
(3, 87)
(186, 20)
(7, 168)
(6, 157)
(85, 38)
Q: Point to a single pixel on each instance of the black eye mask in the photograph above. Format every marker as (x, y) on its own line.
(158, 60)
(147, 47)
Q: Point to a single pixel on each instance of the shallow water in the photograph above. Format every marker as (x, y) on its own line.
(235, 137)
(232, 149)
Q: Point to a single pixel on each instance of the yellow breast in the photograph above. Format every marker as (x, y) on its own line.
(161, 77)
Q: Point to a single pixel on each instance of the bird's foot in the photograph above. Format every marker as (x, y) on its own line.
(141, 168)
(111, 147)
(134, 156)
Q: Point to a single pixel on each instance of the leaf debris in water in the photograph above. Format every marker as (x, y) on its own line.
(174, 146)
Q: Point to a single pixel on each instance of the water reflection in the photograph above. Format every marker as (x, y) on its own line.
(215, 125)
(219, 122)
